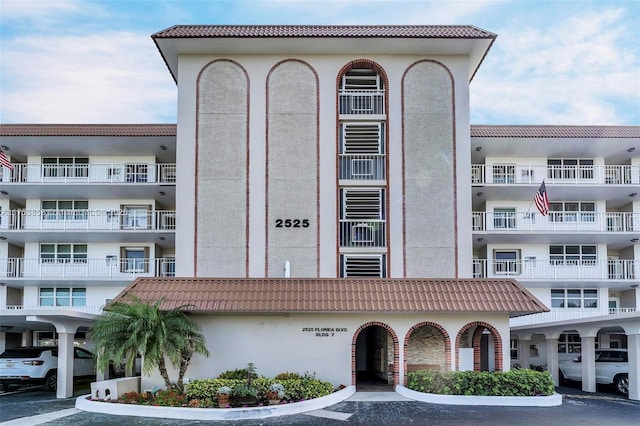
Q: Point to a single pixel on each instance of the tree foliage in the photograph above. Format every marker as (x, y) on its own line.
(134, 327)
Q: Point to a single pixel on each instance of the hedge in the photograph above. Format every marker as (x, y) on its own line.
(511, 383)
(295, 389)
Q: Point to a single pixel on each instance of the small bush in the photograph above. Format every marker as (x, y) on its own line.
(288, 376)
(521, 382)
(237, 374)
(170, 398)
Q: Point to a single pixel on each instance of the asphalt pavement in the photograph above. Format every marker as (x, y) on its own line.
(600, 408)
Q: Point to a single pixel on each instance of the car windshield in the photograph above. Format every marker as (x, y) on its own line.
(22, 353)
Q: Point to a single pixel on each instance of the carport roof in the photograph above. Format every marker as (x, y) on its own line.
(262, 295)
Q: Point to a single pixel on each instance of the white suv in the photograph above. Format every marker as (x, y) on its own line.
(612, 367)
(39, 365)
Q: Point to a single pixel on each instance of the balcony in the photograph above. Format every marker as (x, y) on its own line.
(534, 269)
(110, 268)
(20, 308)
(363, 233)
(515, 174)
(91, 173)
(557, 221)
(362, 167)
(564, 314)
(88, 219)
(359, 102)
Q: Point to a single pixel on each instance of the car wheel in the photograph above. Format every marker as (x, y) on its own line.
(621, 383)
(51, 381)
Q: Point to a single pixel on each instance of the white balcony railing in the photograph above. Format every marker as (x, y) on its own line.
(363, 233)
(88, 219)
(570, 221)
(86, 268)
(86, 309)
(513, 174)
(90, 173)
(564, 314)
(534, 269)
(361, 102)
(363, 166)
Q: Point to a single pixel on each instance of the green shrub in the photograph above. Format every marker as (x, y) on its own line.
(304, 388)
(237, 374)
(288, 376)
(521, 382)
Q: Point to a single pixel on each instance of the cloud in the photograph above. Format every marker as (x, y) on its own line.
(102, 78)
(581, 70)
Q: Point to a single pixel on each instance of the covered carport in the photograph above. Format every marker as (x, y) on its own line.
(65, 322)
(588, 329)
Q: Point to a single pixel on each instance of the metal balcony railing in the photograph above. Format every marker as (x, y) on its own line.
(363, 167)
(556, 221)
(86, 268)
(363, 233)
(563, 314)
(88, 219)
(535, 269)
(514, 174)
(90, 173)
(361, 102)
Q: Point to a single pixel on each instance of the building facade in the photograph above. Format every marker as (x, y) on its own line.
(328, 153)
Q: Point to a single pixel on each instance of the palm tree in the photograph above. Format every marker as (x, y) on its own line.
(134, 327)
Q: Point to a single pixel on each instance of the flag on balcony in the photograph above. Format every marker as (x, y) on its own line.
(4, 160)
(541, 199)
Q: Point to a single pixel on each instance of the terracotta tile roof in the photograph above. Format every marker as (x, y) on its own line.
(337, 295)
(324, 31)
(542, 131)
(87, 129)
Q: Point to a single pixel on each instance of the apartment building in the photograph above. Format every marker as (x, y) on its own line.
(83, 210)
(324, 189)
(582, 258)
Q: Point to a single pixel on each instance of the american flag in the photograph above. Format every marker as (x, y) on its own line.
(4, 160)
(541, 199)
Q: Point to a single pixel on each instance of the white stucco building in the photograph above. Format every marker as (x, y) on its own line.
(330, 164)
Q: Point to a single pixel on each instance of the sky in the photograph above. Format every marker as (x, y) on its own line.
(93, 61)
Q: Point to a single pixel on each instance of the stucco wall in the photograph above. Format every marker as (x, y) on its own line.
(278, 343)
(429, 171)
(222, 170)
(292, 169)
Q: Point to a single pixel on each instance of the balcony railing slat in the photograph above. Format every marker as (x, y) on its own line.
(569, 221)
(91, 173)
(515, 174)
(536, 269)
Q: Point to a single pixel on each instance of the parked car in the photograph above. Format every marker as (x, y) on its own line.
(612, 367)
(38, 365)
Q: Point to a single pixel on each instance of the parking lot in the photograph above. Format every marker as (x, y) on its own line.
(601, 408)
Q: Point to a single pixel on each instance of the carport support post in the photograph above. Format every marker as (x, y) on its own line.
(552, 359)
(588, 364)
(525, 352)
(633, 344)
(65, 365)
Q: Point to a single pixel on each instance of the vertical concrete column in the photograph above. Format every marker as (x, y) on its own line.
(27, 338)
(633, 343)
(65, 365)
(588, 363)
(552, 359)
(3, 341)
(523, 348)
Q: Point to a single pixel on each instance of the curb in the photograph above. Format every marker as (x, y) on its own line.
(507, 401)
(83, 403)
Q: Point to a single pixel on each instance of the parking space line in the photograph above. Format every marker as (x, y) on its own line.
(41, 418)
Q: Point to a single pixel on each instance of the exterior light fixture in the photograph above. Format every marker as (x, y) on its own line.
(633, 194)
(631, 149)
(161, 192)
(3, 238)
(479, 194)
(4, 193)
(162, 147)
(634, 240)
(478, 148)
(161, 238)
(5, 148)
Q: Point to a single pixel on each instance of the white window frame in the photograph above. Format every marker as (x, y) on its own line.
(573, 254)
(586, 298)
(75, 253)
(75, 296)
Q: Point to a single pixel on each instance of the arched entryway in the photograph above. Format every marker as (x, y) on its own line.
(427, 346)
(374, 357)
(484, 346)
